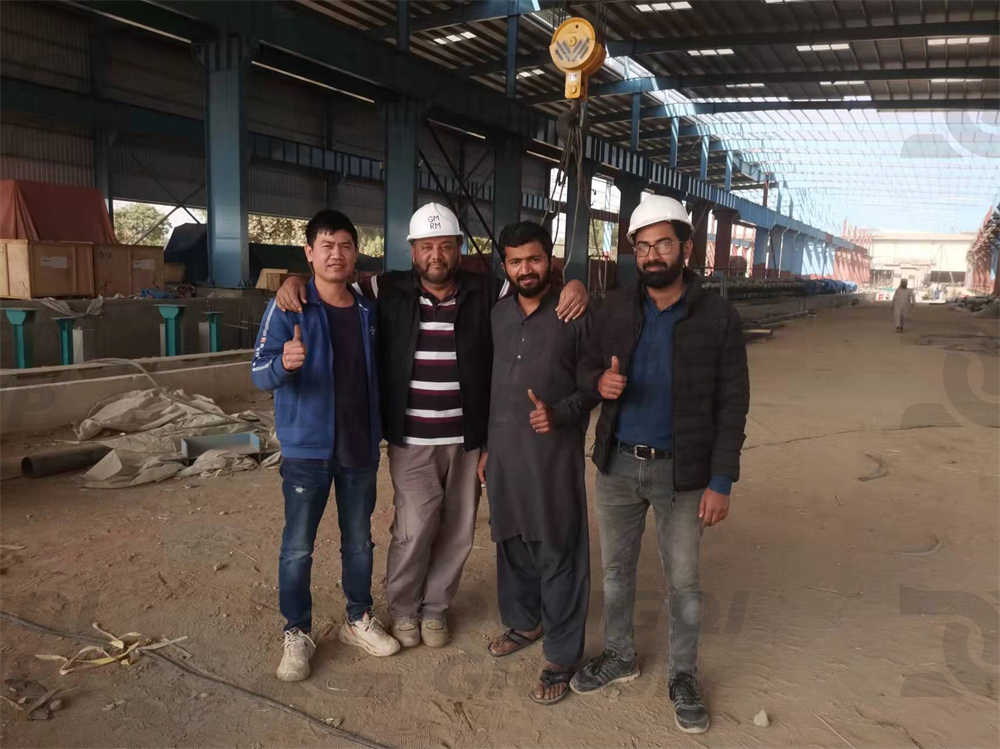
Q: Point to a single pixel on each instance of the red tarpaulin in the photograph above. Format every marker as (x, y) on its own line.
(43, 211)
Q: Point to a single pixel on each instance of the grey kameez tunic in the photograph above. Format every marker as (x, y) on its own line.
(536, 481)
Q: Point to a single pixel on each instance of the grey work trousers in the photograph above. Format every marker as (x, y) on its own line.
(624, 494)
(436, 497)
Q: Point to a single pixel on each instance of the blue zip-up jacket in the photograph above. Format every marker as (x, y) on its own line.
(303, 400)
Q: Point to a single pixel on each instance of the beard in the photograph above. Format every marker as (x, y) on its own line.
(659, 275)
(530, 292)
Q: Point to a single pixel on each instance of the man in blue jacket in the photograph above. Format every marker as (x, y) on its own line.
(320, 363)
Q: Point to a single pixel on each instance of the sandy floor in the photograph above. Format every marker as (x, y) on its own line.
(855, 612)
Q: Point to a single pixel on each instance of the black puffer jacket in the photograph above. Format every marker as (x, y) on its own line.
(398, 324)
(711, 389)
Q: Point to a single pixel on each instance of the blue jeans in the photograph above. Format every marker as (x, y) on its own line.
(624, 495)
(306, 486)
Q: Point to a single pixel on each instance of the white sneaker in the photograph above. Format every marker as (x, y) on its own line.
(368, 634)
(299, 648)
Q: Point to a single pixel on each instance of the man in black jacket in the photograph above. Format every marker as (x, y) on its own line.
(435, 357)
(669, 361)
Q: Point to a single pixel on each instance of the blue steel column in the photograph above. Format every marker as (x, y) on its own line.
(636, 106)
(100, 63)
(631, 195)
(703, 160)
(729, 171)
(402, 26)
(699, 235)
(773, 252)
(786, 251)
(675, 132)
(512, 30)
(403, 119)
(226, 60)
(578, 222)
(507, 159)
(761, 241)
(797, 257)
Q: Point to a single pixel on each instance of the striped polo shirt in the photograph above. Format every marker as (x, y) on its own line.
(434, 409)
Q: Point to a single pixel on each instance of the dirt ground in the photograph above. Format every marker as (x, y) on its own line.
(852, 593)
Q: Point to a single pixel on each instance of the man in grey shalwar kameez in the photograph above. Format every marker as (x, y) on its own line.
(535, 466)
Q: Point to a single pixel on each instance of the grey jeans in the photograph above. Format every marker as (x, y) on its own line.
(624, 494)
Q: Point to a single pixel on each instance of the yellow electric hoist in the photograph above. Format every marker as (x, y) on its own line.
(576, 51)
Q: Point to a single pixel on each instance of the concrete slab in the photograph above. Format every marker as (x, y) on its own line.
(44, 406)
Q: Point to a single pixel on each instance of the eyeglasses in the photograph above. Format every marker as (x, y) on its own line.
(662, 246)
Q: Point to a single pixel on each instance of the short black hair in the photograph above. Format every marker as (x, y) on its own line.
(515, 235)
(331, 221)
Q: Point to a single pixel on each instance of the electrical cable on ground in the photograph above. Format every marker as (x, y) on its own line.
(353, 738)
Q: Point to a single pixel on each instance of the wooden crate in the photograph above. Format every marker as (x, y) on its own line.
(127, 269)
(31, 269)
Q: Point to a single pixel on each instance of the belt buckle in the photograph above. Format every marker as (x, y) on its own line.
(642, 452)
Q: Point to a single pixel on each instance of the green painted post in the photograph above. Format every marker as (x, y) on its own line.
(213, 330)
(171, 314)
(18, 317)
(65, 338)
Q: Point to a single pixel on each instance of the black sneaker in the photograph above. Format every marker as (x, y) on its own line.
(607, 668)
(690, 713)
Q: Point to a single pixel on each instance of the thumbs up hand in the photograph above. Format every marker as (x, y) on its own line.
(612, 382)
(293, 356)
(541, 417)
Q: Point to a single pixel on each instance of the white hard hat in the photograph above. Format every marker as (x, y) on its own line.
(653, 210)
(433, 220)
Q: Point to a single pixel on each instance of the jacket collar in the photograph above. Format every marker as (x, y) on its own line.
(312, 295)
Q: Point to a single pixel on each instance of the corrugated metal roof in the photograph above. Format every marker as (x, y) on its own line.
(868, 166)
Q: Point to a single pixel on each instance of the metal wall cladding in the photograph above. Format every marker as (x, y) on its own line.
(535, 175)
(144, 172)
(30, 153)
(363, 202)
(285, 193)
(281, 106)
(355, 126)
(154, 73)
(42, 43)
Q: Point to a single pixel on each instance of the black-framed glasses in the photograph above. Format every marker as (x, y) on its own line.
(663, 247)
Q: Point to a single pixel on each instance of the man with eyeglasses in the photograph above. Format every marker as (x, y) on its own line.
(669, 361)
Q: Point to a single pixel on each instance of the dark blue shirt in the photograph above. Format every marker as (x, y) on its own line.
(647, 410)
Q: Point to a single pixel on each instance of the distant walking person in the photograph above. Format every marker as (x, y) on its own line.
(902, 300)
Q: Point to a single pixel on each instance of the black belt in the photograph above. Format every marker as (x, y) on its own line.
(643, 452)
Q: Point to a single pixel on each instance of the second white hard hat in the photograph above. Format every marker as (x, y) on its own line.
(653, 210)
(433, 220)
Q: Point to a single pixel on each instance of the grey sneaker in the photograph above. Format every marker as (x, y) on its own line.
(607, 668)
(299, 648)
(690, 713)
(368, 634)
(435, 632)
(406, 629)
